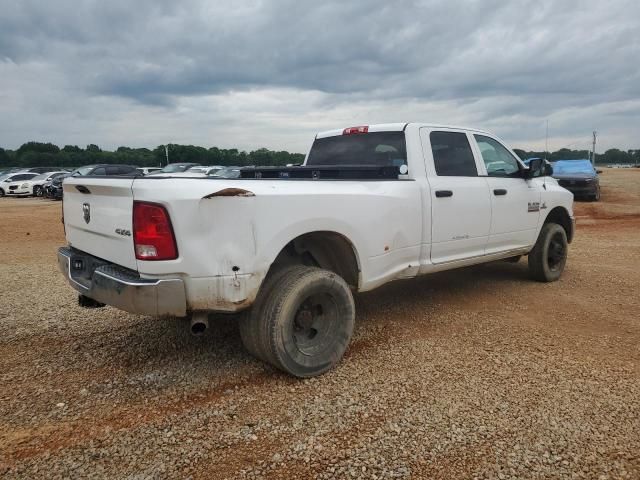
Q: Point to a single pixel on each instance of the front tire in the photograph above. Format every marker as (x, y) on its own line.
(304, 322)
(37, 191)
(548, 257)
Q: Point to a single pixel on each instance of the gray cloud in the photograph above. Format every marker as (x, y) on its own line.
(136, 72)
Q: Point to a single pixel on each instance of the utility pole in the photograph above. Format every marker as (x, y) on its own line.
(166, 153)
(546, 141)
(593, 149)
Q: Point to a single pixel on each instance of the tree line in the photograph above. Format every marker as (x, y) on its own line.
(613, 155)
(38, 154)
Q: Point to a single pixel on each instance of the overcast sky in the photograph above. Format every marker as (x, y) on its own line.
(249, 74)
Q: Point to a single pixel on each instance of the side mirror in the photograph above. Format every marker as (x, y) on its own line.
(535, 165)
(598, 171)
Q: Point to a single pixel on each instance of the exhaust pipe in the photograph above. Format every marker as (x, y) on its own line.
(199, 323)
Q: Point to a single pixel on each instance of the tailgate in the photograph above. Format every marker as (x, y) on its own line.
(98, 217)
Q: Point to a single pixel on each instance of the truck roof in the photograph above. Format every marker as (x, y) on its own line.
(395, 127)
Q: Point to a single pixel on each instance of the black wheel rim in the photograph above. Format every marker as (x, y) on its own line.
(556, 252)
(314, 323)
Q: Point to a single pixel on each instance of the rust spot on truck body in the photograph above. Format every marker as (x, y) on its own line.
(231, 192)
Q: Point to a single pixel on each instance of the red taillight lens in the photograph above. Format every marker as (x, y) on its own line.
(152, 232)
(352, 130)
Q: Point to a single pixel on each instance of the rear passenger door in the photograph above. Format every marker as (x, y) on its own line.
(515, 202)
(460, 202)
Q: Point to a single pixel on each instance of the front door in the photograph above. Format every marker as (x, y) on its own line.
(515, 202)
(460, 201)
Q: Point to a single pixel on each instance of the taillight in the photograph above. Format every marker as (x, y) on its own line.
(152, 232)
(352, 130)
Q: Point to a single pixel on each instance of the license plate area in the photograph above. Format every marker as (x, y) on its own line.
(82, 267)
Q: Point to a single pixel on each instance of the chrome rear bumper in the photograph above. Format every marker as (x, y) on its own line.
(121, 288)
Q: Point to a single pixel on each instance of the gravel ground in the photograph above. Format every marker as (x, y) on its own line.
(476, 373)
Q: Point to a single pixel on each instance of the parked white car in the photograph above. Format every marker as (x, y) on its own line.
(148, 170)
(13, 183)
(198, 171)
(210, 170)
(185, 174)
(371, 204)
(227, 172)
(34, 186)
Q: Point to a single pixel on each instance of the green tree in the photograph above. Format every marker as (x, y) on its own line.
(38, 147)
(5, 159)
(71, 149)
(521, 153)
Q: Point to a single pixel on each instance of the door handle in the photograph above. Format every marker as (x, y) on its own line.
(500, 191)
(444, 193)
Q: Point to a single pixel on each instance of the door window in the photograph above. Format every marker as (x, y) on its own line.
(452, 155)
(497, 159)
(99, 171)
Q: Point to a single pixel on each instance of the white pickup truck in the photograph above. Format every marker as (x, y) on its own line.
(288, 246)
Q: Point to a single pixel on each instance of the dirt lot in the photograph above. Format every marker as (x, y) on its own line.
(477, 373)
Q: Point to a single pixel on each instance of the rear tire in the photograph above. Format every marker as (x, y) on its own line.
(548, 257)
(253, 333)
(303, 323)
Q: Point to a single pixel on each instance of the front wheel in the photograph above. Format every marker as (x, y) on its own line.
(548, 257)
(304, 324)
(37, 191)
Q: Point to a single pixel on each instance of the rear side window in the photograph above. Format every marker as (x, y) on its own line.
(382, 149)
(452, 155)
(24, 176)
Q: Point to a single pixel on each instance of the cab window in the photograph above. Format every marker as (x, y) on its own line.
(452, 155)
(374, 148)
(497, 159)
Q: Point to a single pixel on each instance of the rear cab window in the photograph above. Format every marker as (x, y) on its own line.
(381, 149)
(452, 154)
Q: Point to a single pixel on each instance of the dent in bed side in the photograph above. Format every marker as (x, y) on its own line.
(225, 293)
(230, 192)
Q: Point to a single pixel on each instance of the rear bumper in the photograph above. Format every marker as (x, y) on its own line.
(121, 288)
